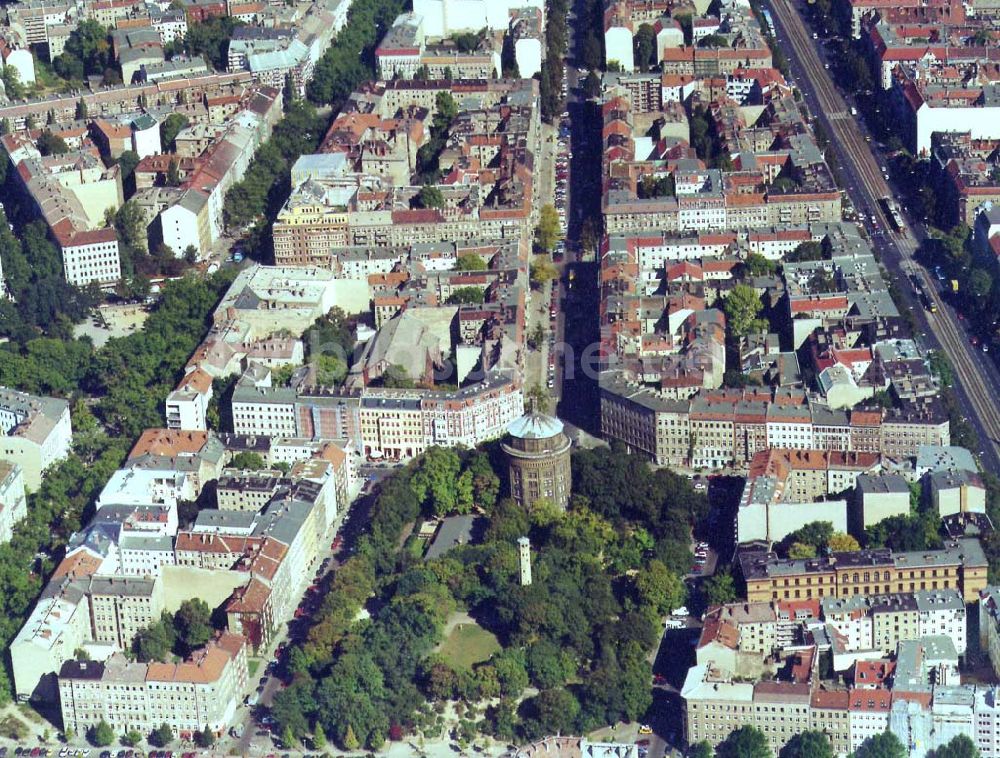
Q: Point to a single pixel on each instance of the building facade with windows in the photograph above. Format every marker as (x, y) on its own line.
(202, 691)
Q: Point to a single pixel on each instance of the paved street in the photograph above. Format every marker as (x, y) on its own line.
(348, 526)
(977, 377)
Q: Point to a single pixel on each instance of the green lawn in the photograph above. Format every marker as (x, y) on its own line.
(468, 644)
(252, 665)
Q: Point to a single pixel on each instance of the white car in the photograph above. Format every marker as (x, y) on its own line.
(674, 624)
(682, 611)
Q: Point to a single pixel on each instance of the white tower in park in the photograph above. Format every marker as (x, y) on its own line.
(524, 545)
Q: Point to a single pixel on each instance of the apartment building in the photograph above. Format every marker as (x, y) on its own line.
(956, 492)
(247, 491)
(966, 170)
(879, 496)
(57, 626)
(267, 411)
(202, 691)
(35, 433)
(13, 501)
(960, 565)
(187, 404)
(198, 455)
(989, 625)
(32, 22)
(71, 192)
(738, 636)
(443, 18)
(396, 424)
(121, 607)
(829, 714)
(716, 705)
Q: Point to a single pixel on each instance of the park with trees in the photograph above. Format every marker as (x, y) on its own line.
(605, 572)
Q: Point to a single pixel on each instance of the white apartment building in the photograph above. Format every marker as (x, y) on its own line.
(849, 616)
(867, 714)
(92, 257)
(187, 404)
(35, 433)
(264, 411)
(146, 486)
(787, 428)
(144, 555)
(171, 25)
(618, 46)
(942, 612)
(13, 501)
(987, 722)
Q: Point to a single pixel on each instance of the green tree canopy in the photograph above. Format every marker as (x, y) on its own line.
(644, 45)
(799, 550)
(193, 622)
(742, 306)
(745, 742)
(466, 296)
(659, 588)
(162, 736)
(130, 223)
(548, 230)
(815, 535)
(87, 52)
(757, 265)
(51, 144)
(247, 461)
(720, 588)
(12, 83)
(885, 745)
(808, 744)
(204, 737)
(429, 197)
(102, 735)
(959, 746)
(806, 251)
(434, 484)
(542, 270)
(470, 262)
(210, 38)
(170, 127)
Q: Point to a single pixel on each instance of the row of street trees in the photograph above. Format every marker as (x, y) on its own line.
(750, 742)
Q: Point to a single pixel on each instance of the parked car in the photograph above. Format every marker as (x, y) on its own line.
(682, 611)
